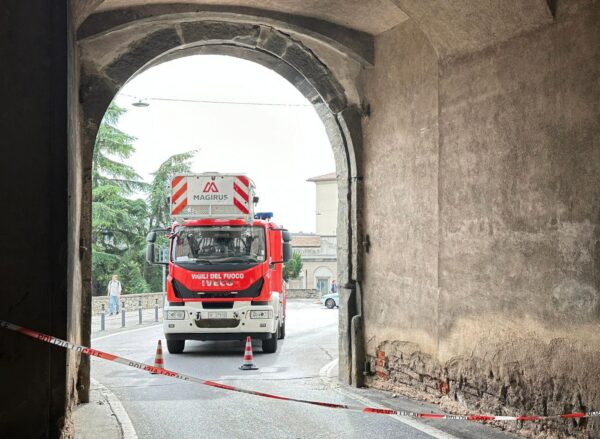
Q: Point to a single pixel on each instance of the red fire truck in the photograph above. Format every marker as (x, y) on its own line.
(225, 264)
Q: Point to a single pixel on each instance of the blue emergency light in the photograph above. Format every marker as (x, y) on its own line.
(263, 215)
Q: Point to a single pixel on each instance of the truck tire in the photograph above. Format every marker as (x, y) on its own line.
(330, 303)
(175, 346)
(282, 331)
(270, 345)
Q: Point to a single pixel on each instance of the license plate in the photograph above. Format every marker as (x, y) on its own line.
(214, 315)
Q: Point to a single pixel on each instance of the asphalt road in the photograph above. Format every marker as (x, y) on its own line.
(161, 407)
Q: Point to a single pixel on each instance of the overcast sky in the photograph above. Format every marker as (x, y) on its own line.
(278, 146)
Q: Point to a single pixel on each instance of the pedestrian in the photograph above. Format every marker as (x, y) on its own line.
(114, 294)
(334, 288)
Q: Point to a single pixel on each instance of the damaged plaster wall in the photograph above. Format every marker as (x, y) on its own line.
(492, 301)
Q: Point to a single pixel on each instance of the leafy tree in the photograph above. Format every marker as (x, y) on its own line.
(119, 223)
(112, 142)
(104, 265)
(293, 267)
(129, 271)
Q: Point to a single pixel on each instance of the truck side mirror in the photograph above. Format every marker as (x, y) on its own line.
(286, 236)
(150, 249)
(150, 255)
(287, 251)
(151, 237)
(151, 240)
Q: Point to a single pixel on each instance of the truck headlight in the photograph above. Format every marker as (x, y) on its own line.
(174, 315)
(266, 314)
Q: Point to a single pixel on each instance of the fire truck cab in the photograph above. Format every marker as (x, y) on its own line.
(225, 265)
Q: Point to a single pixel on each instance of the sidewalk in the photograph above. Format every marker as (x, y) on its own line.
(98, 419)
(104, 417)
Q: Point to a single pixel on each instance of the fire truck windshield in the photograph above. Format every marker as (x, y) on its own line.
(218, 245)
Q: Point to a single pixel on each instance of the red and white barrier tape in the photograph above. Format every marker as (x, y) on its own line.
(146, 367)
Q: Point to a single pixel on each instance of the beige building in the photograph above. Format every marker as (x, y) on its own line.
(319, 262)
(326, 204)
(319, 251)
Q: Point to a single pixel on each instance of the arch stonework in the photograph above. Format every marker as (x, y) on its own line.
(305, 71)
(355, 43)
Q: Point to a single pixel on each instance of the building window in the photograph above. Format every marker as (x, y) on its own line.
(323, 285)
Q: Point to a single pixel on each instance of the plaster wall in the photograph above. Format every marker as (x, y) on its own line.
(491, 301)
(35, 44)
(401, 191)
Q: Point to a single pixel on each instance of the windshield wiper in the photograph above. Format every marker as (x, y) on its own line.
(202, 261)
(235, 259)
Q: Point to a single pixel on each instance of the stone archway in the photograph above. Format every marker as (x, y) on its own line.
(278, 51)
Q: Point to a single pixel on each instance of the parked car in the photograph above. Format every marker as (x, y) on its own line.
(331, 300)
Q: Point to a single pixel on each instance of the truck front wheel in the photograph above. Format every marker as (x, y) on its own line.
(282, 331)
(270, 345)
(175, 346)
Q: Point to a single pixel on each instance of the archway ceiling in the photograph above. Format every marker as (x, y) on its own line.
(372, 16)
(452, 26)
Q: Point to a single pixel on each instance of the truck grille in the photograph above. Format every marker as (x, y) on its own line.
(182, 292)
(217, 305)
(217, 323)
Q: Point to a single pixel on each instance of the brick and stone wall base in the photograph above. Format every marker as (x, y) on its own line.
(505, 383)
(303, 294)
(131, 301)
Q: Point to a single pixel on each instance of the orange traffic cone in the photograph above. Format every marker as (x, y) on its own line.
(158, 359)
(248, 364)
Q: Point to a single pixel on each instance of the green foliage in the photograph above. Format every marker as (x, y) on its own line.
(119, 223)
(153, 277)
(130, 274)
(104, 265)
(112, 146)
(160, 188)
(293, 267)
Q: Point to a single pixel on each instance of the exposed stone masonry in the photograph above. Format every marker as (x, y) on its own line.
(505, 381)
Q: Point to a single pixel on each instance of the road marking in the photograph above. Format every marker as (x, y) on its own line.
(327, 371)
(427, 429)
(125, 332)
(127, 429)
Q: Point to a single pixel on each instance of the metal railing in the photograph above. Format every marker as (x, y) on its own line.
(123, 312)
